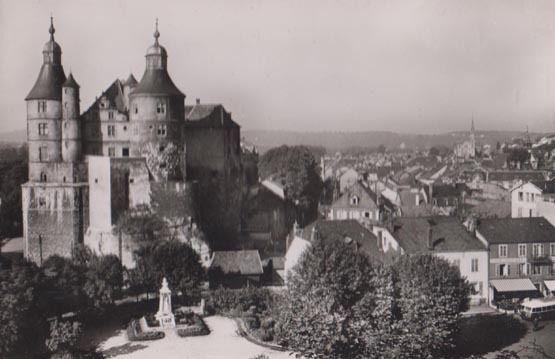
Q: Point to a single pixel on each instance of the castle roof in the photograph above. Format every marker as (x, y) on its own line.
(209, 115)
(114, 95)
(70, 82)
(157, 82)
(49, 83)
(51, 76)
(131, 81)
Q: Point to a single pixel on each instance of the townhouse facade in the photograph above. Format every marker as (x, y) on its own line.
(519, 248)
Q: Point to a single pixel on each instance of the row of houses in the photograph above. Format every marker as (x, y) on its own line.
(502, 258)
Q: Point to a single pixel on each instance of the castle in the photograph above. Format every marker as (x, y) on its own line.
(138, 145)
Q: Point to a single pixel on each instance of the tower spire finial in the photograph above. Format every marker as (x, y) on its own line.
(52, 30)
(156, 33)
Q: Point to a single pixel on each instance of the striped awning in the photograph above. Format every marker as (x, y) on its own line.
(550, 284)
(513, 285)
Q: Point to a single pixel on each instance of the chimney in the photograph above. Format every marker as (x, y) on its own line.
(198, 101)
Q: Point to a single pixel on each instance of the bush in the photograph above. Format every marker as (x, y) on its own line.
(268, 323)
(266, 335)
(197, 329)
(151, 320)
(134, 333)
(63, 336)
(252, 322)
(225, 301)
(507, 304)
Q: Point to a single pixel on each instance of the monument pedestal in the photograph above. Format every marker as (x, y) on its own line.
(166, 320)
(165, 315)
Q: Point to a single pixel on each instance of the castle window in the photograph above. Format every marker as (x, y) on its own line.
(43, 129)
(112, 151)
(125, 152)
(355, 200)
(111, 115)
(43, 177)
(41, 106)
(43, 153)
(42, 202)
(136, 109)
(162, 148)
(161, 108)
(162, 130)
(111, 130)
(125, 128)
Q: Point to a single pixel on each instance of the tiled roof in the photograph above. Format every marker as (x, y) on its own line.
(114, 94)
(517, 230)
(341, 230)
(245, 262)
(157, 82)
(448, 190)
(131, 81)
(49, 83)
(70, 82)
(210, 115)
(367, 198)
(545, 186)
(516, 175)
(448, 235)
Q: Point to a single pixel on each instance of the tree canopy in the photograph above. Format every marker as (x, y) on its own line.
(407, 309)
(297, 169)
(174, 260)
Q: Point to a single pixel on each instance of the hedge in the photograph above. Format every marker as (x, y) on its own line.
(134, 332)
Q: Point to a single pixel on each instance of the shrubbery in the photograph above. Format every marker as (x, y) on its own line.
(198, 327)
(134, 332)
(236, 301)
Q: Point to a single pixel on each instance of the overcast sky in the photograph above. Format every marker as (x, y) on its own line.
(422, 66)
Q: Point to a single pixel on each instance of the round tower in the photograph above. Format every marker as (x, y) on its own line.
(156, 105)
(71, 127)
(44, 113)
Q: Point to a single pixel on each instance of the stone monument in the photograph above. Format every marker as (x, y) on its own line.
(165, 315)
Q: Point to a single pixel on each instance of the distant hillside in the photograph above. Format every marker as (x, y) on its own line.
(337, 141)
(17, 136)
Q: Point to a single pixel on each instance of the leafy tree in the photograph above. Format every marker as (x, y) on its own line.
(408, 309)
(430, 295)
(13, 173)
(103, 281)
(297, 169)
(63, 337)
(64, 281)
(142, 225)
(323, 292)
(23, 324)
(175, 261)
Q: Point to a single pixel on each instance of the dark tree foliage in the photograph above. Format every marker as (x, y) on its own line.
(142, 225)
(63, 337)
(175, 261)
(85, 283)
(22, 320)
(298, 170)
(408, 309)
(518, 155)
(328, 284)
(430, 296)
(13, 173)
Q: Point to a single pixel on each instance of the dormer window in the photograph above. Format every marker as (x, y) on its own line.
(161, 108)
(111, 115)
(355, 200)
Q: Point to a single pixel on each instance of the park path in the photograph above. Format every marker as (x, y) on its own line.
(222, 343)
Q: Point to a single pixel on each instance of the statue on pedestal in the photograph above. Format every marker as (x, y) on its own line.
(164, 314)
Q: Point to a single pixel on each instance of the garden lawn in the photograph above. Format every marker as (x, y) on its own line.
(222, 342)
